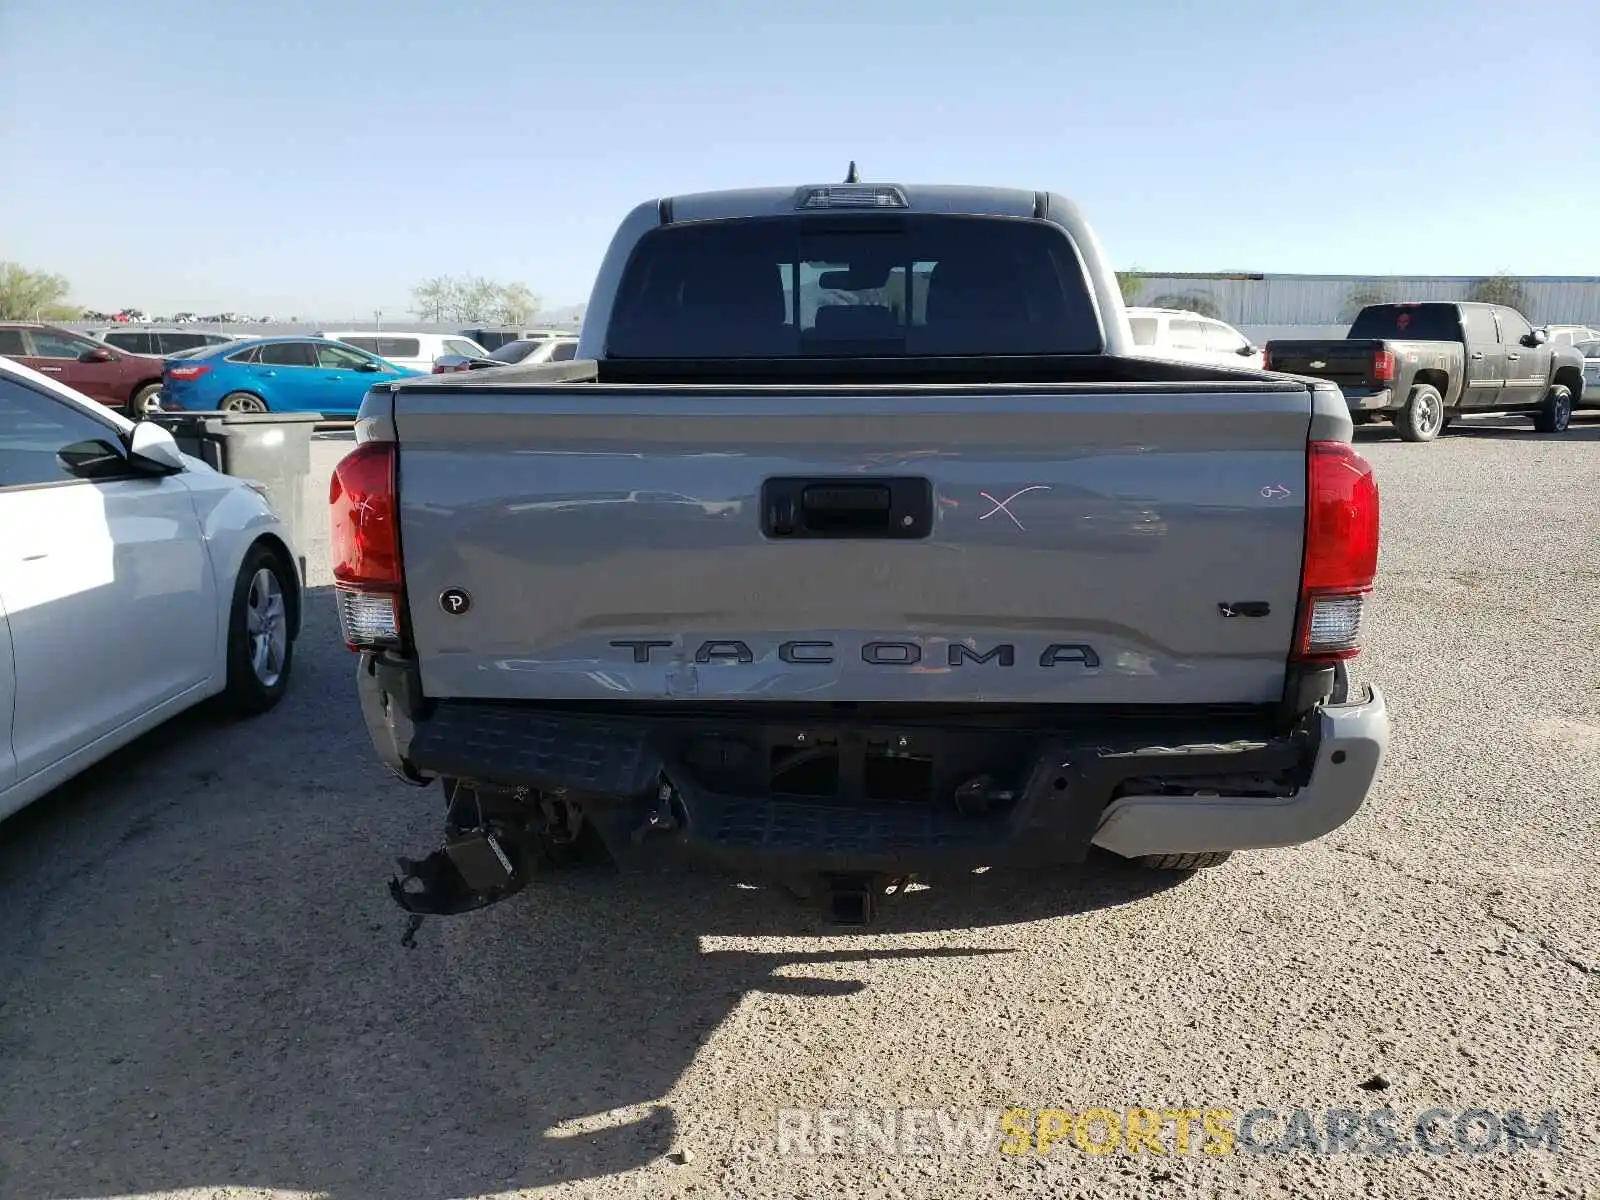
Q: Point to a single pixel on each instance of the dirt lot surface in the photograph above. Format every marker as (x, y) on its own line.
(202, 990)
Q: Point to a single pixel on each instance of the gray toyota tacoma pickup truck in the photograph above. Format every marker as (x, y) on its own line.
(855, 545)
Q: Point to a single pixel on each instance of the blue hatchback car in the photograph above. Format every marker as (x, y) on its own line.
(276, 374)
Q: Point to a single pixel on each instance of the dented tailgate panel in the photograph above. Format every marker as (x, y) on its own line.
(1083, 545)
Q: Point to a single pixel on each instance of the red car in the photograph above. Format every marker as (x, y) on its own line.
(115, 378)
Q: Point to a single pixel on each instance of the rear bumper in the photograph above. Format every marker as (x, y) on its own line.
(1361, 401)
(1130, 786)
(1351, 740)
(176, 399)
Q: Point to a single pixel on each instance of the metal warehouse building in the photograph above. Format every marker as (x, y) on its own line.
(1265, 301)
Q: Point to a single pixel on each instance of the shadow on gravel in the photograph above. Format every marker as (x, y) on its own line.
(204, 985)
(1507, 427)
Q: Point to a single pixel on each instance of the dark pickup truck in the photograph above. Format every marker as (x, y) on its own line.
(1422, 364)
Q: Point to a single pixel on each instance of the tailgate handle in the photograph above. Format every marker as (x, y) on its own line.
(842, 498)
(900, 507)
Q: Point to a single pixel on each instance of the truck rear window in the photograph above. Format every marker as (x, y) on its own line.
(917, 286)
(1408, 322)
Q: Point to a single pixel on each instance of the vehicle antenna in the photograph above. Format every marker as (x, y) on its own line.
(854, 176)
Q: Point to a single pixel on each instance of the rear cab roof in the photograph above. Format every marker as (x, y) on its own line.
(920, 199)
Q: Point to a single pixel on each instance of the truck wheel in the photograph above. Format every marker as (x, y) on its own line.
(1555, 414)
(1422, 418)
(1184, 862)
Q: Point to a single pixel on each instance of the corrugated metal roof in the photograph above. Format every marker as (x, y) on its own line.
(1332, 299)
(1274, 275)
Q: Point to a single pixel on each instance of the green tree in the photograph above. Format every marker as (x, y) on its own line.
(1362, 295)
(1500, 288)
(515, 304)
(434, 299)
(1195, 300)
(33, 295)
(1131, 283)
(473, 298)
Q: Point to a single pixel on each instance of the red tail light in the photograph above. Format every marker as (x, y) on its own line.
(188, 373)
(1341, 559)
(1383, 366)
(365, 547)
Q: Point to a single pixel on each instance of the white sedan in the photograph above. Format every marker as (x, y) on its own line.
(135, 582)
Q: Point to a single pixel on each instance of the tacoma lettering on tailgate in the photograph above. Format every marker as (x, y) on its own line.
(875, 653)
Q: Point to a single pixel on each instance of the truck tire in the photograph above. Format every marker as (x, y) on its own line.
(1423, 417)
(1184, 862)
(1555, 414)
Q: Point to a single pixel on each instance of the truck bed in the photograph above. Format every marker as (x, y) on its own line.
(1064, 531)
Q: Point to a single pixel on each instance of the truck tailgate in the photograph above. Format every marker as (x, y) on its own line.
(1349, 364)
(1082, 544)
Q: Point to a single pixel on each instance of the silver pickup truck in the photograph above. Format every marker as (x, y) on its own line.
(855, 545)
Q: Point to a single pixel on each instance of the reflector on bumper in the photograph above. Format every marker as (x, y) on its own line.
(1334, 624)
(368, 619)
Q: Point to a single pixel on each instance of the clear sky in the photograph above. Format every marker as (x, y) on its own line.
(318, 158)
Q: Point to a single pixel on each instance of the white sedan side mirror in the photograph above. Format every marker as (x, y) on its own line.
(155, 445)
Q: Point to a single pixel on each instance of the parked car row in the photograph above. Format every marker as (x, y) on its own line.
(1418, 365)
(140, 370)
(135, 316)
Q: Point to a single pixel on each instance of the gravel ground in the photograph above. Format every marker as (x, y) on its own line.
(204, 992)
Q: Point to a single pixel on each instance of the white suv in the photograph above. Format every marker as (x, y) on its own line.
(1185, 336)
(1571, 335)
(417, 351)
